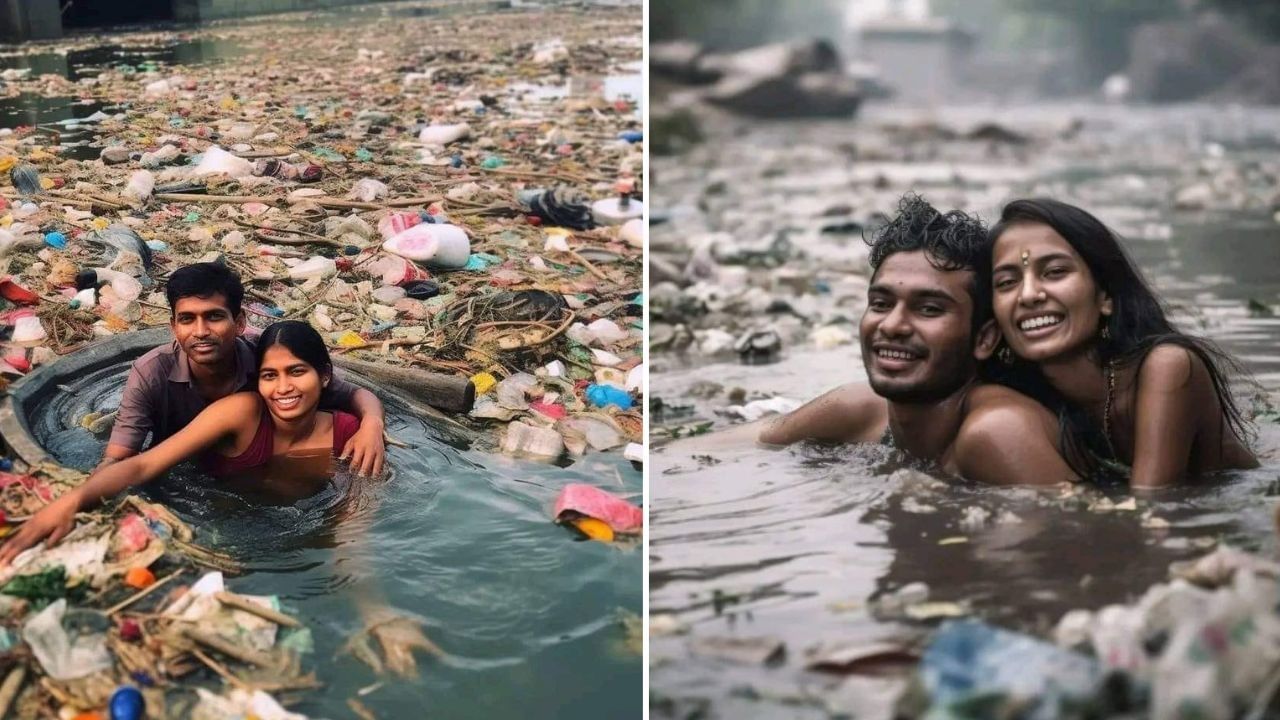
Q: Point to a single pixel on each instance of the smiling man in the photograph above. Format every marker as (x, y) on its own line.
(927, 326)
(209, 359)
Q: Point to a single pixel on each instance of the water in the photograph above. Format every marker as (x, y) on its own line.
(461, 540)
(794, 544)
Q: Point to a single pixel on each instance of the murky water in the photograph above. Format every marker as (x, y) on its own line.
(461, 540)
(797, 544)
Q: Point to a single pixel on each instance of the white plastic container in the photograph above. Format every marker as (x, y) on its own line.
(443, 134)
(632, 232)
(28, 329)
(315, 267)
(441, 246)
(126, 287)
(611, 211)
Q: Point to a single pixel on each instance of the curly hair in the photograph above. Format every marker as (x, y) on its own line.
(951, 241)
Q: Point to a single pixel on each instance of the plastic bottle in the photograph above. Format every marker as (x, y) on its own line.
(217, 161)
(442, 245)
(314, 267)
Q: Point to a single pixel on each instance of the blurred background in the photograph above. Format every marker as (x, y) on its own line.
(781, 133)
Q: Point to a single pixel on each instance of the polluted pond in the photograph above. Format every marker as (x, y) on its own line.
(818, 582)
(453, 200)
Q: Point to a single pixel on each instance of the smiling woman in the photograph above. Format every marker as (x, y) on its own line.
(1084, 333)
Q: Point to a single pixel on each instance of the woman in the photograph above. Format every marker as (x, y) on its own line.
(1084, 333)
(278, 428)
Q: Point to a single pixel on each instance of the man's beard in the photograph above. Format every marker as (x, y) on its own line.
(941, 384)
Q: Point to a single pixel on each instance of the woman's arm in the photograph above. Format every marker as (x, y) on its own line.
(237, 414)
(1173, 387)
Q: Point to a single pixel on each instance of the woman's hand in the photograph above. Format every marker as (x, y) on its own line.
(366, 449)
(53, 522)
(397, 635)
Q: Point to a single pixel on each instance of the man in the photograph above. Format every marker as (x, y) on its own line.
(926, 327)
(209, 360)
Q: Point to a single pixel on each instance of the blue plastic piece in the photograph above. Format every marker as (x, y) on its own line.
(127, 704)
(6, 464)
(605, 395)
(55, 240)
(455, 161)
(631, 136)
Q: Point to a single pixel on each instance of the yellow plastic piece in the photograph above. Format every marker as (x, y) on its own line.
(7, 162)
(351, 339)
(99, 223)
(594, 529)
(484, 382)
(46, 183)
(6, 221)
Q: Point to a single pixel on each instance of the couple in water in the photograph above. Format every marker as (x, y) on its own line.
(1030, 353)
(249, 411)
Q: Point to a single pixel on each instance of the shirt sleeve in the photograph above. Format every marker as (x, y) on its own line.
(338, 395)
(135, 417)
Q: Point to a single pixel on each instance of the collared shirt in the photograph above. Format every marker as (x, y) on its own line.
(160, 397)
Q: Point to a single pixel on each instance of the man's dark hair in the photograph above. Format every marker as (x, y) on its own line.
(951, 241)
(204, 280)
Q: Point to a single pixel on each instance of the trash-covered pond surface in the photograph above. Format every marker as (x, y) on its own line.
(776, 575)
(531, 621)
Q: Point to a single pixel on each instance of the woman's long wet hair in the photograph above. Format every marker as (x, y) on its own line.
(1137, 324)
(300, 339)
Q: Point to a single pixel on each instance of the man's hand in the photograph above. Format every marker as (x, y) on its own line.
(53, 521)
(366, 449)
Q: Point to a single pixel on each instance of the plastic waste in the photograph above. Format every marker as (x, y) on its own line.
(604, 395)
(395, 270)
(127, 704)
(55, 240)
(125, 287)
(616, 211)
(436, 245)
(140, 186)
(26, 178)
(314, 268)
(395, 223)
(139, 578)
(758, 346)
(968, 659)
(561, 206)
(530, 441)
(240, 705)
(301, 172)
(580, 500)
(163, 155)
(633, 232)
(67, 654)
(368, 190)
(443, 134)
(122, 237)
(28, 330)
(217, 161)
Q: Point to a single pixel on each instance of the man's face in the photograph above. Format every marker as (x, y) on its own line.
(205, 328)
(917, 337)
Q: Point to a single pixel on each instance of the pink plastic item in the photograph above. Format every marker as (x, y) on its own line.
(396, 223)
(593, 502)
(133, 534)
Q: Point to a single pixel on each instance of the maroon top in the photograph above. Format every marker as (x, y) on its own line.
(160, 397)
(259, 451)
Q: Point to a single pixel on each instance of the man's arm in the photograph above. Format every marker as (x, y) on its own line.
(1010, 439)
(366, 448)
(849, 413)
(134, 419)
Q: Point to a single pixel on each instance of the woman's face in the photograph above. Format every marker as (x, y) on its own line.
(1046, 302)
(290, 385)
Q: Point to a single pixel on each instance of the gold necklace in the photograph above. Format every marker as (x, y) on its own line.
(1106, 409)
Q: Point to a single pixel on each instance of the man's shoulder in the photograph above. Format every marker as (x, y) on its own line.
(158, 361)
